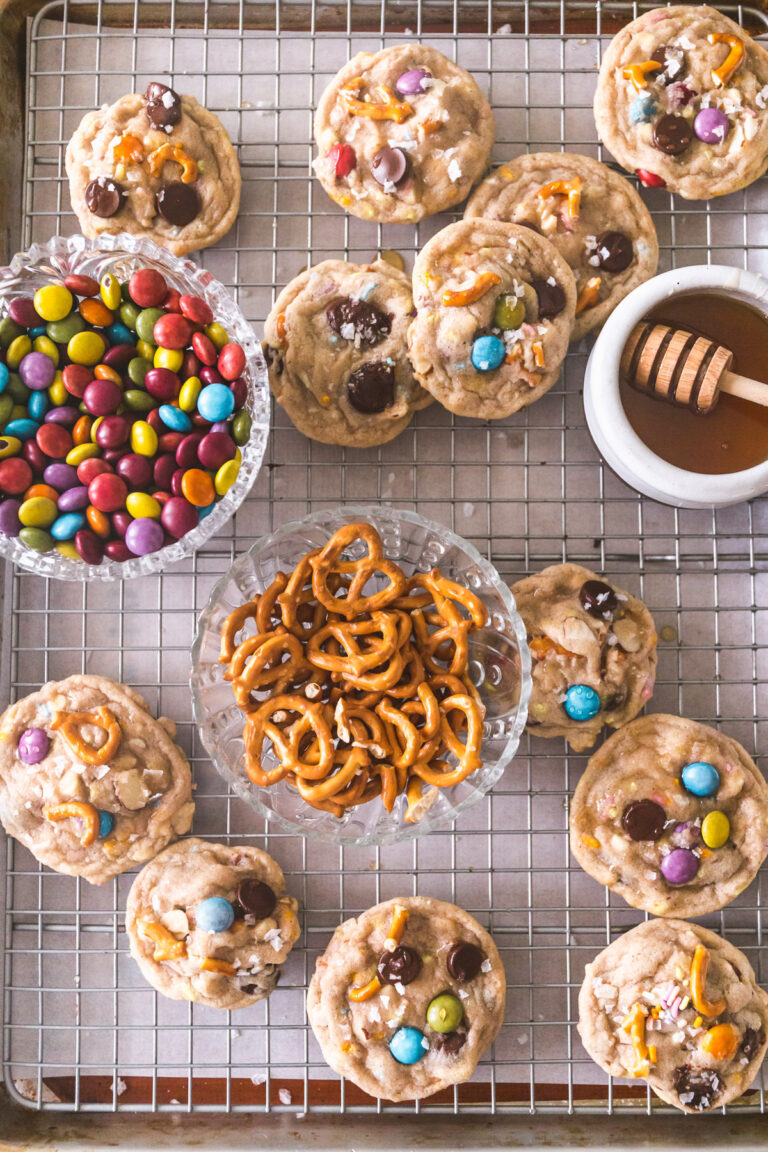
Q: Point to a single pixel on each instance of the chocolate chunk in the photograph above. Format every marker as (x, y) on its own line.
(273, 357)
(352, 318)
(464, 960)
(598, 599)
(389, 166)
(616, 699)
(672, 62)
(163, 106)
(104, 197)
(371, 387)
(752, 1040)
(178, 203)
(643, 820)
(449, 1042)
(256, 898)
(696, 1087)
(614, 251)
(401, 966)
(551, 298)
(672, 135)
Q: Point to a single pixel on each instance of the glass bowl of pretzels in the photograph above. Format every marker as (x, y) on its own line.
(361, 676)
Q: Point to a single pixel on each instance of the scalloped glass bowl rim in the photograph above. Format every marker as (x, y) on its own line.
(404, 831)
(124, 246)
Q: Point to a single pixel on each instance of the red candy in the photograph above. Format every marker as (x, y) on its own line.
(178, 517)
(76, 378)
(82, 286)
(147, 288)
(112, 432)
(176, 480)
(107, 492)
(22, 311)
(119, 357)
(34, 456)
(89, 547)
(15, 475)
(155, 421)
(169, 441)
(190, 366)
(89, 469)
(172, 301)
(186, 453)
(135, 470)
(162, 384)
(172, 331)
(204, 348)
(54, 440)
(231, 361)
(239, 389)
(196, 309)
(120, 522)
(102, 397)
(117, 550)
(215, 449)
(163, 470)
(650, 179)
(209, 375)
(343, 158)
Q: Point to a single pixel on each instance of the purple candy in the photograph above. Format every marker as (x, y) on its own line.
(34, 745)
(219, 426)
(60, 476)
(33, 455)
(22, 311)
(67, 416)
(144, 535)
(10, 524)
(73, 500)
(679, 866)
(411, 83)
(37, 371)
(711, 125)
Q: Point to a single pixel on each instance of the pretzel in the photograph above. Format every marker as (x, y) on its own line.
(721, 75)
(258, 726)
(102, 718)
(222, 967)
(699, 965)
(355, 604)
(419, 801)
(634, 1023)
(588, 296)
(355, 662)
(128, 150)
(80, 811)
(176, 153)
(570, 188)
(390, 108)
(167, 947)
(255, 665)
(637, 73)
(460, 297)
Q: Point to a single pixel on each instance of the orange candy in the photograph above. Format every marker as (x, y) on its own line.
(721, 1041)
(81, 433)
(104, 372)
(95, 312)
(42, 490)
(198, 488)
(98, 522)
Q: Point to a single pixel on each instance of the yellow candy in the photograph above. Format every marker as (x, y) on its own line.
(86, 348)
(143, 439)
(39, 512)
(53, 302)
(57, 393)
(715, 829)
(110, 292)
(170, 358)
(45, 345)
(67, 548)
(217, 334)
(190, 390)
(17, 350)
(9, 446)
(145, 349)
(142, 504)
(226, 476)
(81, 452)
(94, 426)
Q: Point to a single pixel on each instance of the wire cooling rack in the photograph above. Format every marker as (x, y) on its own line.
(81, 1029)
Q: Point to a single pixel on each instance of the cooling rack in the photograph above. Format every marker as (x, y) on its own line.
(81, 1030)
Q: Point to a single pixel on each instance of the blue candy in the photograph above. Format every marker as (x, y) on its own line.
(37, 405)
(174, 418)
(119, 334)
(408, 1045)
(65, 527)
(488, 352)
(214, 914)
(216, 402)
(106, 824)
(581, 702)
(700, 778)
(203, 512)
(23, 429)
(41, 330)
(4, 377)
(643, 109)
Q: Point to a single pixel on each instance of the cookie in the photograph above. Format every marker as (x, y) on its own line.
(676, 1004)
(682, 100)
(494, 313)
(594, 218)
(159, 166)
(211, 923)
(593, 653)
(90, 782)
(672, 815)
(335, 342)
(407, 997)
(401, 134)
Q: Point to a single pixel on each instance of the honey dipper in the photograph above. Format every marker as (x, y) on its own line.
(676, 365)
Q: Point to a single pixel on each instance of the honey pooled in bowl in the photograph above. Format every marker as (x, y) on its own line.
(735, 435)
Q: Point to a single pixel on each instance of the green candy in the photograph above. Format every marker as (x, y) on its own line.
(137, 401)
(241, 428)
(62, 331)
(129, 314)
(145, 323)
(6, 407)
(9, 330)
(37, 539)
(509, 312)
(445, 1013)
(137, 370)
(124, 290)
(17, 389)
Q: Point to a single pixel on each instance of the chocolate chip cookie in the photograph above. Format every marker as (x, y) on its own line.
(335, 343)
(593, 216)
(401, 134)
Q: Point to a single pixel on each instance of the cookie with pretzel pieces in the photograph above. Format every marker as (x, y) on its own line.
(90, 782)
(407, 997)
(157, 165)
(682, 100)
(679, 1006)
(211, 923)
(401, 134)
(350, 694)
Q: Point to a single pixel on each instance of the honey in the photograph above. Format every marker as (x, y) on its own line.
(735, 435)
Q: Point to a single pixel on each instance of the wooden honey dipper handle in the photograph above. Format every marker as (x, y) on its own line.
(686, 369)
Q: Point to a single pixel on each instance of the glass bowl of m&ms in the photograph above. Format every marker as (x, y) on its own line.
(134, 408)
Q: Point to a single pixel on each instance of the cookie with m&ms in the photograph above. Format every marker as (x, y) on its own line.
(682, 101)
(401, 134)
(157, 165)
(672, 816)
(407, 997)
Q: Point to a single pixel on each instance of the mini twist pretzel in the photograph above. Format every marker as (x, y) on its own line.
(570, 188)
(699, 965)
(258, 726)
(260, 609)
(80, 811)
(407, 732)
(634, 1023)
(442, 589)
(176, 153)
(70, 723)
(355, 604)
(167, 947)
(355, 662)
(256, 665)
(419, 801)
(467, 753)
(637, 73)
(721, 75)
(459, 297)
(355, 759)
(389, 107)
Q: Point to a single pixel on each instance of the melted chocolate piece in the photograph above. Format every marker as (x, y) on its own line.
(450, 1042)
(528, 224)
(104, 197)
(617, 699)
(598, 599)
(256, 898)
(696, 1088)
(464, 960)
(643, 820)
(273, 356)
(614, 251)
(401, 966)
(672, 135)
(551, 298)
(368, 322)
(178, 203)
(672, 62)
(751, 1041)
(389, 166)
(163, 106)
(371, 387)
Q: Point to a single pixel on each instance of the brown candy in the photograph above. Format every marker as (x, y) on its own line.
(672, 135)
(368, 322)
(672, 61)
(371, 387)
(464, 960)
(104, 197)
(256, 898)
(450, 1042)
(551, 298)
(614, 251)
(643, 820)
(400, 966)
(178, 203)
(163, 106)
(598, 599)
